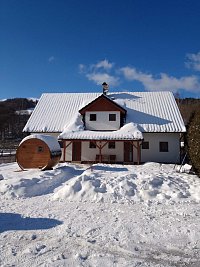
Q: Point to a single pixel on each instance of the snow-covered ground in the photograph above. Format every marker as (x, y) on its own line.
(99, 215)
(24, 111)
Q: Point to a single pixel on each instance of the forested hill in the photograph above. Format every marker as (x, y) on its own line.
(187, 107)
(14, 114)
(19, 103)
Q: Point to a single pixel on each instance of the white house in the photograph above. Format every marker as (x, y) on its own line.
(120, 127)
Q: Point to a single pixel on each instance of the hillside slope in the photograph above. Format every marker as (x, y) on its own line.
(14, 114)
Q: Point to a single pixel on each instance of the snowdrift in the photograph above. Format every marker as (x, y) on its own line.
(100, 215)
(102, 183)
(149, 182)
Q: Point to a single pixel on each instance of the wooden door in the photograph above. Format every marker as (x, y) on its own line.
(76, 151)
(128, 152)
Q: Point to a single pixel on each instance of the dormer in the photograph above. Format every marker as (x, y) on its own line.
(103, 114)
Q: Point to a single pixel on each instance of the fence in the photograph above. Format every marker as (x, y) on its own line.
(7, 155)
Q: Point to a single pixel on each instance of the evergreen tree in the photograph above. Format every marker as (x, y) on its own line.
(193, 141)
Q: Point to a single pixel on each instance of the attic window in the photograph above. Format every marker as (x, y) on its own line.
(112, 117)
(93, 117)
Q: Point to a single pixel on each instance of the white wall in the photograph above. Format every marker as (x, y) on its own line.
(153, 154)
(68, 153)
(89, 154)
(102, 121)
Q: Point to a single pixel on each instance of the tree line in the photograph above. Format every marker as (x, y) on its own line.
(12, 122)
(190, 111)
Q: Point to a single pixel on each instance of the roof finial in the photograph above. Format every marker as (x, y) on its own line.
(105, 88)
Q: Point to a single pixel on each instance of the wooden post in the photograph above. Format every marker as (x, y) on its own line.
(100, 147)
(138, 153)
(100, 156)
(64, 149)
(132, 144)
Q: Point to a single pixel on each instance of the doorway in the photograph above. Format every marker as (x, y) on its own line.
(128, 152)
(76, 151)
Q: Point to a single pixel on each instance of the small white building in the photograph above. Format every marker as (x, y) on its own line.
(120, 127)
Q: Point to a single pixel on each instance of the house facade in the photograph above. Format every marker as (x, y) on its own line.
(122, 127)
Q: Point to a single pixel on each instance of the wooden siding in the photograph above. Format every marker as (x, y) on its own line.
(34, 153)
(102, 103)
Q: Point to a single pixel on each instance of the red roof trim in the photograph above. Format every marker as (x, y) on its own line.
(82, 110)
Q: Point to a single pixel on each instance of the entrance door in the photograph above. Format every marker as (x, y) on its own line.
(76, 151)
(128, 152)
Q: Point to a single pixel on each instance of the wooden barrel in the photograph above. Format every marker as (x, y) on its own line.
(38, 151)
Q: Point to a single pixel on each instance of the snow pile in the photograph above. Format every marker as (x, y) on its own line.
(76, 124)
(185, 168)
(151, 182)
(107, 183)
(131, 130)
(120, 102)
(75, 130)
(15, 183)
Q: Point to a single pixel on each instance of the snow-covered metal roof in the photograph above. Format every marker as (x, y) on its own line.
(127, 132)
(152, 111)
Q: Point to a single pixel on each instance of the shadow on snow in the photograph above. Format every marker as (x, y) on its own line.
(14, 221)
(102, 167)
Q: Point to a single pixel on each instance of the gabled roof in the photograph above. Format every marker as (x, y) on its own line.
(105, 101)
(152, 111)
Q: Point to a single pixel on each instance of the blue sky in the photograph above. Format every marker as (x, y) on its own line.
(75, 45)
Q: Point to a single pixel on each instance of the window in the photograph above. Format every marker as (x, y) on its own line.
(164, 147)
(93, 117)
(145, 145)
(40, 149)
(112, 117)
(92, 145)
(111, 145)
